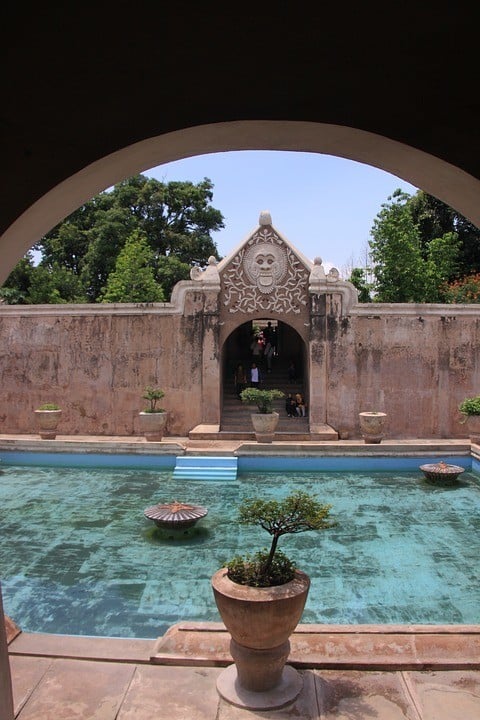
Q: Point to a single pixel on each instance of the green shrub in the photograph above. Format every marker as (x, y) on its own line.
(49, 406)
(263, 399)
(470, 406)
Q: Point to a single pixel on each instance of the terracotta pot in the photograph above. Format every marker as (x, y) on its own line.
(152, 425)
(47, 423)
(260, 622)
(372, 426)
(264, 425)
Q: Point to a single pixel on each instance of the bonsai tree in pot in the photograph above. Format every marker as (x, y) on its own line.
(261, 598)
(470, 409)
(266, 420)
(153, 418)
(47, 417)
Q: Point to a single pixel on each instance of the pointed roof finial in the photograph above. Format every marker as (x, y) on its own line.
(265, 218)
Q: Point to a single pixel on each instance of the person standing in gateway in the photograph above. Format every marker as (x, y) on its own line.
(254, 376)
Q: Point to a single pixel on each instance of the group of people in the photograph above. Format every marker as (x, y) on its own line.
(295, 405)
(264, 346)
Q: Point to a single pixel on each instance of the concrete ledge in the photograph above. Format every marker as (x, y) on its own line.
(366, 647)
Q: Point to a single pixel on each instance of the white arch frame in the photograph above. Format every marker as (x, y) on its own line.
(437, 177)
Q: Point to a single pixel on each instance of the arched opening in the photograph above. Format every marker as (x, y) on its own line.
(437, 177)
(280, 354)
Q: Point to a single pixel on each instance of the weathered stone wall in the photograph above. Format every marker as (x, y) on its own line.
(96, 361)
(414, 362)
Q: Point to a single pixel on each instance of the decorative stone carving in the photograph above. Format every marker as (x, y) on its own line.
(208, 276)
(265, 273)
(320, 284)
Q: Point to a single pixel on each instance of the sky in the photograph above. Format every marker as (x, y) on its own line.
(324, 205)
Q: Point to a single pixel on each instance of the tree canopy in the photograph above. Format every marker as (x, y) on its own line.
(420, 248)
(82, 257)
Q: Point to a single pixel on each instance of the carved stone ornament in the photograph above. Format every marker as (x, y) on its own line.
(265, 274)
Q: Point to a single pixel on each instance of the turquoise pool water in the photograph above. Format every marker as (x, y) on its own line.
(77, 555)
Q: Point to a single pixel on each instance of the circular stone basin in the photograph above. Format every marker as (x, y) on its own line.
(442, 472)
(175, 515)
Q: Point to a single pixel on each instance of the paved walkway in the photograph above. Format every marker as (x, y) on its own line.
(410, 674)
(63, 678)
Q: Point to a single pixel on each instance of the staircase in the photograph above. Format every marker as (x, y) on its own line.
(235, 419)
(198, 467)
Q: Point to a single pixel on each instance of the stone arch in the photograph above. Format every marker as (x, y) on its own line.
(437, 177)
(291, 345)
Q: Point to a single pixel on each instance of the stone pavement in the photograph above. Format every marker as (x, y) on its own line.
(58, 677)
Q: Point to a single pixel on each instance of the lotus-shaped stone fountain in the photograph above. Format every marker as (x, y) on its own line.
(175, 515)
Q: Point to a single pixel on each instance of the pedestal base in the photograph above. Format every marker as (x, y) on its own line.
(288, 689)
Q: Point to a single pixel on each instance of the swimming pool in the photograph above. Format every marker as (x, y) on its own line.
(78, 557)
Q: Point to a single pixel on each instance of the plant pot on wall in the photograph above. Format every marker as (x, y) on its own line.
(372, 426)
(470, 409)
(264, 426)
(472, 424)
(152, 425)
(47, 419)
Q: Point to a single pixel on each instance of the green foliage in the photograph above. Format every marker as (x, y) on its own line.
(176, 219)
(49, 406)
(470, 406)
(153, 395)
(417, 247)
(249, 570)
(296, 513)
(358, 280)
(466, 290)
(132, 280)
(263, 399)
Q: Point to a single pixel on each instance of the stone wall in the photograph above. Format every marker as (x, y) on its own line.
(415, 362)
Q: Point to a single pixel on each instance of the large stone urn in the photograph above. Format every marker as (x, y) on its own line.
(47, 423)
(260, 622)
(265, 425)
(372, 426)
(152, 425)
(472, 424)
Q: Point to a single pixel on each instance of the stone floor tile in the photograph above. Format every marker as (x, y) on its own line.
(78, 690)
(171, 693)
(304, 708)
(26, 674)
(362, 695)
(441, 695)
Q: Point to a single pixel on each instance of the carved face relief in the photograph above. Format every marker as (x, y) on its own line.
(265, 266)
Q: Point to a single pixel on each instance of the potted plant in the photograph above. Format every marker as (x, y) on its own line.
(266, 420)
(47, 418)
(260, 599)
(153, 418)
(372, 426)
(470, 409)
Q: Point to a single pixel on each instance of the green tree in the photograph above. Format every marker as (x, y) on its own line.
(16, 288)
(435, 219)
(176, 218)
(396, 252)
(133, 280)
(407, 268)
(359, 280)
